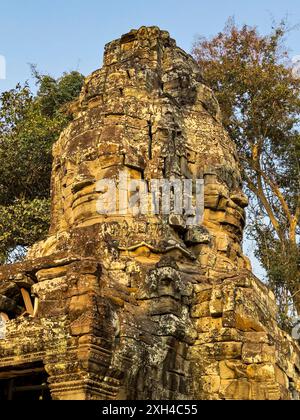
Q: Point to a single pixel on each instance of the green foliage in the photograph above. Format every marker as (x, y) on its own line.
(53, 94)
(29, 125)
(282, 267)
(21, 225)
(259, 95)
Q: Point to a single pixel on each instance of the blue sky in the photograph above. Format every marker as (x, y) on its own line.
(64, 35)
(61, 35)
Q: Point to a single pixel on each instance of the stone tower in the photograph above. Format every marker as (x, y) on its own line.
(143, 306)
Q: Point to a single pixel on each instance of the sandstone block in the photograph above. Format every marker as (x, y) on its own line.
(208, 324)
(235, 389)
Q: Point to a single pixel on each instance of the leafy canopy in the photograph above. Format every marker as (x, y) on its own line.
(29, 125)
(259, 94)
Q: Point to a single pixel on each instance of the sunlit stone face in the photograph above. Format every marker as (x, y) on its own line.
(147, 112)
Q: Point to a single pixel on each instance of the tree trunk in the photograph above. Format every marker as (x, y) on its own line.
(296, 299)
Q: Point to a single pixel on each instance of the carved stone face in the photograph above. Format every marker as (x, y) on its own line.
(148, 113)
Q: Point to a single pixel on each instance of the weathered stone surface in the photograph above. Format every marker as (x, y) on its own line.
(145, 306)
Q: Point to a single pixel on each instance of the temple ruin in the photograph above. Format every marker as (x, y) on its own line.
(144, 306)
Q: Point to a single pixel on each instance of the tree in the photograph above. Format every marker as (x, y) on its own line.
(29, 125)
(259, 95)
